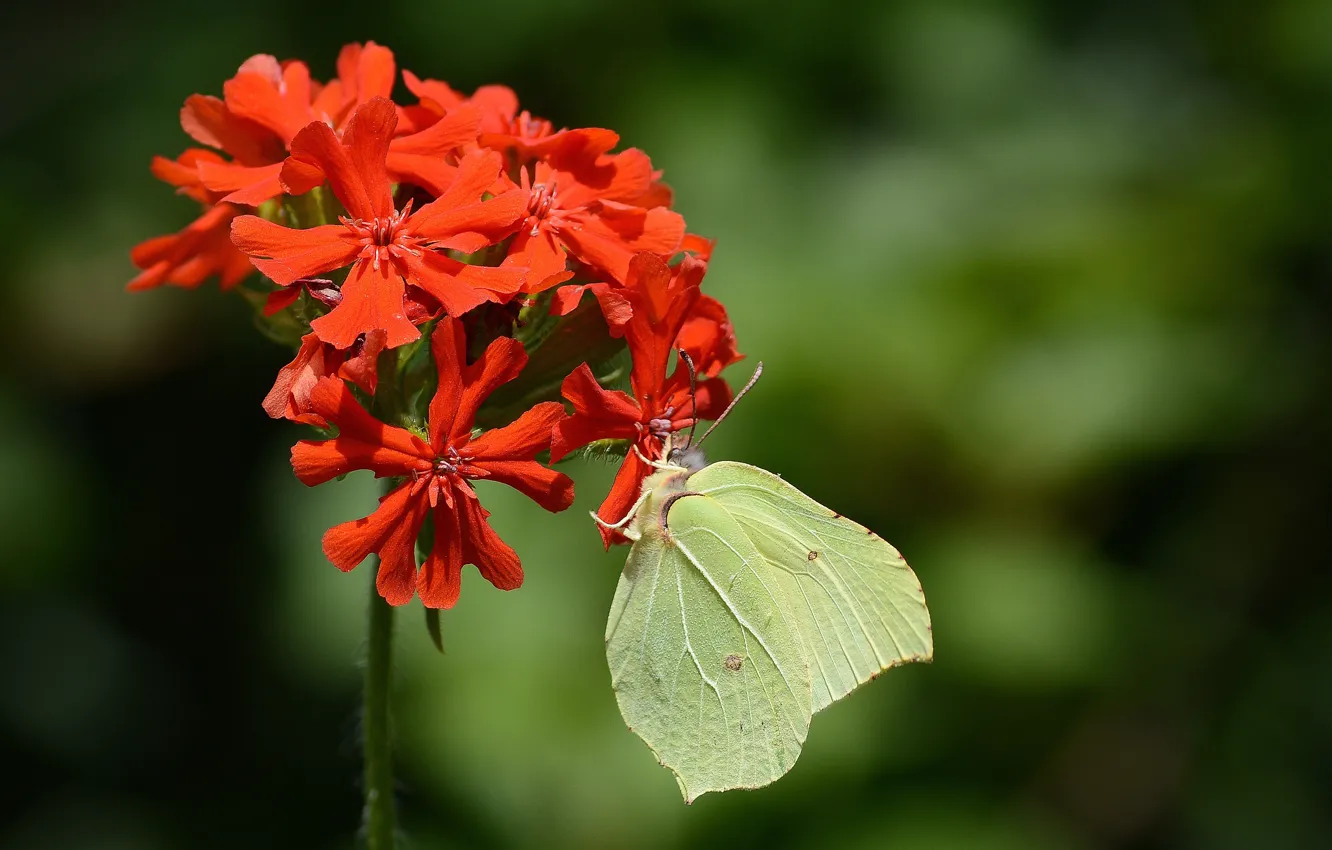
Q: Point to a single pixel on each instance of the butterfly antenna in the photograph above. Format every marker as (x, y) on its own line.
(693, 394)
(749, 386)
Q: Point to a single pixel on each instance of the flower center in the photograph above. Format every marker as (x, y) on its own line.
(384, 237)
(661, 426)
(448, 463)
(527, 127)
(542, 200)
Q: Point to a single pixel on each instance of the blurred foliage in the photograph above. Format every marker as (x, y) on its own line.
(1043, 293)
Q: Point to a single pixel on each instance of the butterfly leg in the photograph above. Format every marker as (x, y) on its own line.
(628, 517)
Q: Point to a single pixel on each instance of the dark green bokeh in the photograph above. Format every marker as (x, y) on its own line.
(1043, 293)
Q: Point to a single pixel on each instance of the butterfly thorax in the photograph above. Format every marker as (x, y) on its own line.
(660, 490)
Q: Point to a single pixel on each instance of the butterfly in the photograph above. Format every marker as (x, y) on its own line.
(745, 607)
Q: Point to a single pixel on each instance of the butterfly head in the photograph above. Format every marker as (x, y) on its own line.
(687, 457)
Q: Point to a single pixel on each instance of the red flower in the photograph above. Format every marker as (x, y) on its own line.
(279, 100)
(496, 105)
(661, 300)
(708, 337)
(438, 474)
(202, 249)
(290, 396)
(591, 213)
(190, 257)
(387, 248)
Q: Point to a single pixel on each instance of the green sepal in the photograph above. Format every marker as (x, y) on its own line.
(425, 541)
(417, 378)
(284, 327)
(432, 627)
(601, 449)
(535, 321)
(315, 207)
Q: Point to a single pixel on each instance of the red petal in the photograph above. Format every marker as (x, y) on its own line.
(699, 246)
(354, 166)
(460, 287)
(317, 462)
(391, 531)
(396, 581)
(283, 108)
(498, 105)
(208, 121)
(431, 173)
(420, 158)
(501, 362)
(657, 195)
(366, 72)
(614, 306)
(649, 290)
(372, 299)
(552, 490)
(657, 230)
(597, 247)
(367, 140)
(711, 399)
(482, 546)
(348, 544)
(363, 359)
(290, 396)
(247, 185)
(521, 439)
(448, 347)
(189, 257)
(599, 414)
(709, 337)
(573, 150)
(280, 299)
(363, 442)
(286, 255)
(486, 222)
(660, 306)
(534, 286)
(539, 254)
(432, 92)
(460, 209)
(333, 400)
(618, 177)
(265, 65)
(463, 388)
(183, 173)
(440, 580)
(455, 129)
(623, 493)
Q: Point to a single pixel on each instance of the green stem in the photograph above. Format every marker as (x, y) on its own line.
(380, 819)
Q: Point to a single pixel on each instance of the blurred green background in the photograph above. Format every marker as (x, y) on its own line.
(1043, 293)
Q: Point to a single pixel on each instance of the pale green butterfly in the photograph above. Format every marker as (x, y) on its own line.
(745, 607)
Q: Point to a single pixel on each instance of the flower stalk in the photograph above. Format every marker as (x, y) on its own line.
(380, 818)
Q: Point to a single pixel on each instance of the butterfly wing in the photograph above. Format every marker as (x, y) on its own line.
(858, 606)
(706, 668)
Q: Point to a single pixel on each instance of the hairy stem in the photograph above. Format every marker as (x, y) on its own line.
(380, 818)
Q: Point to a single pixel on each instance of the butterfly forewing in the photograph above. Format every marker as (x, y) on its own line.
(858, 607)
(706, 666)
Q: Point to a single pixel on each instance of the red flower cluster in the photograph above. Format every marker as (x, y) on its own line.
(473, 223)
